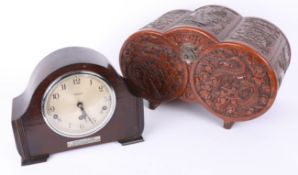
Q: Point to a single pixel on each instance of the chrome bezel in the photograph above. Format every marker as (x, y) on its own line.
(91, 131)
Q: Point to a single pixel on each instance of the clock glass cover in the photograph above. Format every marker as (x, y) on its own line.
(78, 104)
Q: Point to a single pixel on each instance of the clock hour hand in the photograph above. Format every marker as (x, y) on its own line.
(84, 114)
(81, 117)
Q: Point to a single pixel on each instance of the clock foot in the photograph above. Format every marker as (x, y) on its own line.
(131, 141)
(35, 159)
(153, 105)
(228, 125)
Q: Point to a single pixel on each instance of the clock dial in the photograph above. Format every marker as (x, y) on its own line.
(78, 104)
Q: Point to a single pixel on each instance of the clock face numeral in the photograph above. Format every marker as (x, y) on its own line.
(51, 109)
(63, 87)
(69, 104)
(55, 116)
(107, 98)
(82, 126)
(56, 96)
(100, 88)
(76, 81)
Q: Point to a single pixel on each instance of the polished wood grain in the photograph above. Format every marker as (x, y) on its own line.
(36, 141)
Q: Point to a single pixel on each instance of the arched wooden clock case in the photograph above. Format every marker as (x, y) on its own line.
(36, 141)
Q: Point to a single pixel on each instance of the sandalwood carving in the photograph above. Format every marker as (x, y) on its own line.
(230, 64)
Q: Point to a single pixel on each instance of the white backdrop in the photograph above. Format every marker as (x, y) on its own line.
(180, 138)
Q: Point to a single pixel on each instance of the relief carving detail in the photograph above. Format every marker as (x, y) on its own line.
(232, 84)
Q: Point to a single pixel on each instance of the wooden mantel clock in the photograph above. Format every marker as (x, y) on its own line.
(75, 98)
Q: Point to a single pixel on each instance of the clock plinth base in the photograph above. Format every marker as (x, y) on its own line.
(131, 141)
(34, 160)
(228, 125)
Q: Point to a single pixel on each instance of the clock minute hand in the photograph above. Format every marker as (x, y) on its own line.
(87, 116)
(89, 119)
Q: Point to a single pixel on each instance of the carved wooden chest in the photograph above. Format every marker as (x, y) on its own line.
(230, 64)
